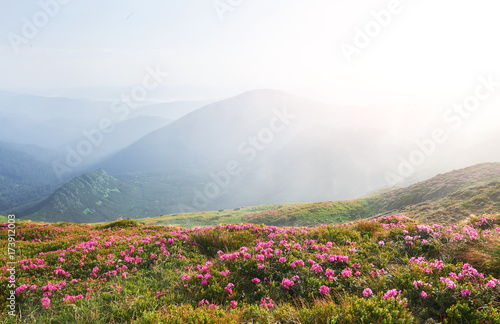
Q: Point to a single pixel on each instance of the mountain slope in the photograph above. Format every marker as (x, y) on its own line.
(122, 135)
(441, 185)
(446, 198)
(23, 177)
(91, 197)
(476, 200)
(46, 121)
(169, 110)
(283, 149)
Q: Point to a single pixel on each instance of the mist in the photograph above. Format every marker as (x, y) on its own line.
(196, 106)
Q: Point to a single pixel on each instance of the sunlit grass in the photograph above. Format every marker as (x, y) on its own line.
(378, 269)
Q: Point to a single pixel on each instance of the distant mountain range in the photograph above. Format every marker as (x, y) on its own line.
(261, 147)
(25, 174)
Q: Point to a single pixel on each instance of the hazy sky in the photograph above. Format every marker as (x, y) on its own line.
(427, 50)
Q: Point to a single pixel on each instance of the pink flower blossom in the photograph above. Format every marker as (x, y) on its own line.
(367, 292)
(21, 288)
(329, 272)
(346, 273)
(266, 303)
(72, 299)
(417, 283)
(296, 263)
(46, 302)
(287, 283)
(229, 288)
(449, 283)
(465, 292)
(391, 293)
(324, 290)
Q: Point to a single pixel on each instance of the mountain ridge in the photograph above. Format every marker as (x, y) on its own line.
(452, 196)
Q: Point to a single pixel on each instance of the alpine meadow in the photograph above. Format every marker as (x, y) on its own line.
(232, 161)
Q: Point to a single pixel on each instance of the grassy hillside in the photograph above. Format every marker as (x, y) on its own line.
(386, 270)
(446, 198)
(293, 214)
(92, 197)
(98, 197)
(440, 186)
(477, 200)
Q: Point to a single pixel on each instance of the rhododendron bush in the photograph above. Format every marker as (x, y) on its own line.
(388, 269)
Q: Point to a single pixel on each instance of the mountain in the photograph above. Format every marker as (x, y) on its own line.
(46, 121)
(282, 149)
(92, 197)
(104, 144)
(53, 122)
(25, 174)
(97, 197)
(446, 199)
(169, 110)
(264, 147)
(72, 127)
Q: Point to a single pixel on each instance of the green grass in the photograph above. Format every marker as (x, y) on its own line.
(446, 198)
(3, 219)
(291, 214)
(478, 200)
(124, 272)
(227, 216)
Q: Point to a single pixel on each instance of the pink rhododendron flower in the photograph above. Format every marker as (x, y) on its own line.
(46, 302)
(287, 283)
(465, 292)
(324, 290)
(266, 303)
(296, 263)
(391, 293)
(229, 288)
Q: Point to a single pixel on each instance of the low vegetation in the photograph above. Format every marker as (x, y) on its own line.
(386, 270)
(292, 214)
(444, 199)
